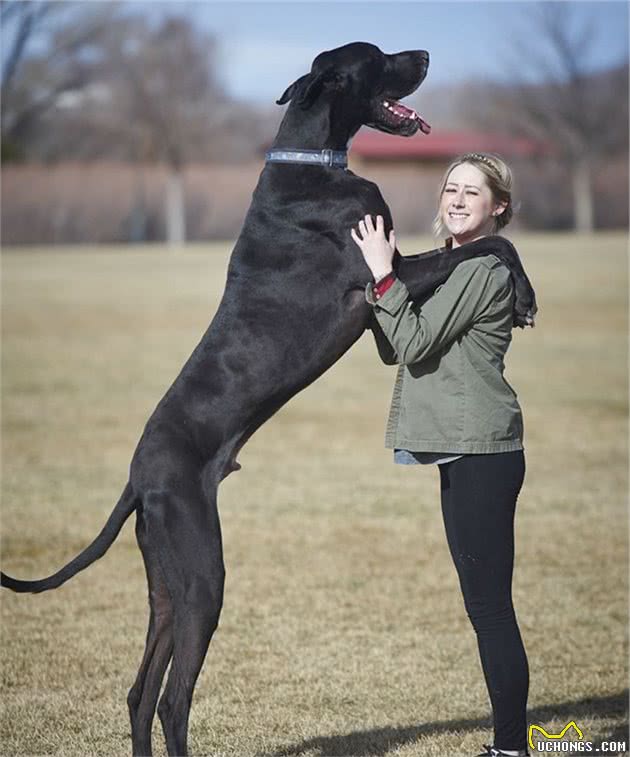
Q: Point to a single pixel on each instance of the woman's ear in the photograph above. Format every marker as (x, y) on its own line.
(499, 209)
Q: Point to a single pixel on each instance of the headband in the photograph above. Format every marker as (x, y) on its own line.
(482, 159)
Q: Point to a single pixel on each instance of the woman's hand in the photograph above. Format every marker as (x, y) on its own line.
(377, 250)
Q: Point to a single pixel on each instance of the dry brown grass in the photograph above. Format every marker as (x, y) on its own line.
(343, 631)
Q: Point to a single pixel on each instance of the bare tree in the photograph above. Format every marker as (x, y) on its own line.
(34, 81)
(25, 19)
(163, 98)
(568, 110)
(109, 82)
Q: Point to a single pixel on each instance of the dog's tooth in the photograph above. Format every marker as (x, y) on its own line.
(386, 103)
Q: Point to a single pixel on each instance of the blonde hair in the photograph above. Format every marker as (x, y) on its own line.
(498, 178)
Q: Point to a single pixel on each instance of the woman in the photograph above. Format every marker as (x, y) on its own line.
(452, 406)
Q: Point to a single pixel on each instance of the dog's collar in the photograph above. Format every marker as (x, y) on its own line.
(331, 158)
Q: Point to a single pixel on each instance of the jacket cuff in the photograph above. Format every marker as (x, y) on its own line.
(390, 301)
(383, 284)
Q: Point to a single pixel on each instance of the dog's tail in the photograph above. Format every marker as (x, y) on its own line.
(126, 505)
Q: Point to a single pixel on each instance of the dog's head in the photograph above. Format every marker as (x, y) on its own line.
(363, 85)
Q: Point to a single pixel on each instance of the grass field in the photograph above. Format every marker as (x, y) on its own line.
(343, 630)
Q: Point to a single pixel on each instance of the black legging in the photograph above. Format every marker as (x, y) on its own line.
(478, 501)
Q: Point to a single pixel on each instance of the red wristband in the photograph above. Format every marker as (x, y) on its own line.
(383, 285)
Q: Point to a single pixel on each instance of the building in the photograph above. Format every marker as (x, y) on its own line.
(408, 169)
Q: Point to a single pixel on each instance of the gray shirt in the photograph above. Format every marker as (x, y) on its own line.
(407, 457)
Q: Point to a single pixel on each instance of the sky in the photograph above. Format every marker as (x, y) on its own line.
(263, 46)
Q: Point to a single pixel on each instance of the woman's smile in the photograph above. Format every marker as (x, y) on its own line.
(467, 204)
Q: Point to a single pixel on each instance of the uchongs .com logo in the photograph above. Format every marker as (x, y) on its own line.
(565, 742)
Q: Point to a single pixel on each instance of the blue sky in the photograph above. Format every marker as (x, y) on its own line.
(263, 46)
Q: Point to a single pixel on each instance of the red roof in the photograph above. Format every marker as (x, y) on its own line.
(369, 143)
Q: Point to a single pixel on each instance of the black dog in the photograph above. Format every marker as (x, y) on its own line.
(293, 304)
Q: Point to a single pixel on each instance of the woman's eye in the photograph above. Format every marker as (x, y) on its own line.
(450, 190)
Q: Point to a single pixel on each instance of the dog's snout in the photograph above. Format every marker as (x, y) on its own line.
(405, 71)
(424, 60)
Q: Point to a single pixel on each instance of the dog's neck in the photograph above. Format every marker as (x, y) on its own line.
(313, 129)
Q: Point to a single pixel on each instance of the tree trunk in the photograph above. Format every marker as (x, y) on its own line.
(138, 220)
(582, 194)
(175, 215)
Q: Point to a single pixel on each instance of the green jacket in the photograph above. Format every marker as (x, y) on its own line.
(450, 394)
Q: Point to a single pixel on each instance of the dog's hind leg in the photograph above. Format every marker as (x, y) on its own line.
(143, 695)
(186, 530)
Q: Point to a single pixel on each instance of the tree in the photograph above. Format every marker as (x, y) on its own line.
(111, 83)
(34, 82)
(163, 98)
(569, 110)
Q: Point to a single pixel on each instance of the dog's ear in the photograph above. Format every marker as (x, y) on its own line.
(290, 91)
(310, 93)
(308, 87)
(329, 78)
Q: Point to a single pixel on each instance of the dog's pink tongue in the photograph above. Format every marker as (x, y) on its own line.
(424, 126)
(403, 110)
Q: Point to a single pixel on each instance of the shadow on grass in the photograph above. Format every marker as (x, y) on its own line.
(380, 741)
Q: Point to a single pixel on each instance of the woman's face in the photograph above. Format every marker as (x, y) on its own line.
(467, 207)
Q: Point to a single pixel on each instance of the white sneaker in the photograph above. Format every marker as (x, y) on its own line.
(492, 751)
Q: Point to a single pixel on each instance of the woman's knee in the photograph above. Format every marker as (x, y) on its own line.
(490, 615)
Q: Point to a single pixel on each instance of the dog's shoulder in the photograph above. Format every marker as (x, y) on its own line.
(369, 187)
(367, 194)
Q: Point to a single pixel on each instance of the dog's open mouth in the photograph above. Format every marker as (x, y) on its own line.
(398, 114)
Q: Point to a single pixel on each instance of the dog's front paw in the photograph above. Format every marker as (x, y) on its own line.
(525, 312)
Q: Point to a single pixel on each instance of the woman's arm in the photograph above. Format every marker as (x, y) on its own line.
(415, 333)
(383, 345)
(423, 272)
(472, 290)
